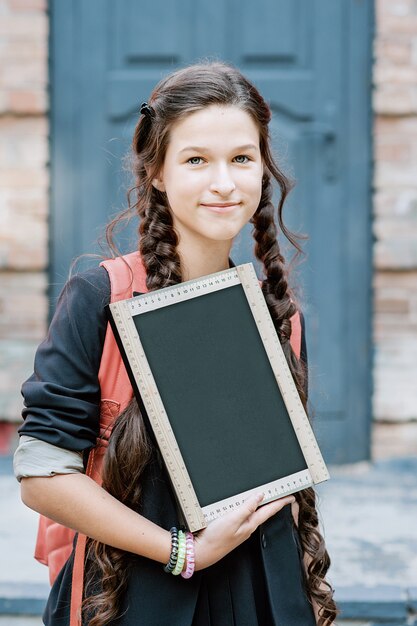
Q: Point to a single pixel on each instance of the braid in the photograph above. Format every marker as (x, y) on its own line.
(282, 306)
(158, 245)
(277, 294)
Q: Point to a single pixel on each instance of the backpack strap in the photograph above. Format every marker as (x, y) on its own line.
(296, 332)
(126, 274)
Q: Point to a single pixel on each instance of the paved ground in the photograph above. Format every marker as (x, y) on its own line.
(369, 518)
(368, 514)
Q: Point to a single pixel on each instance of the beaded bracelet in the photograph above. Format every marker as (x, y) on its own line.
(181, 553)
(190, 551)
(170, 566)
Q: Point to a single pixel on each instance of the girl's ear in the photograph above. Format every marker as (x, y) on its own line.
(158, 184)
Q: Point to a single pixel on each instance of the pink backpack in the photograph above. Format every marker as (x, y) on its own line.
(54, 542)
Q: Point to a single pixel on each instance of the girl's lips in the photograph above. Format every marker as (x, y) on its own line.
(220, 209)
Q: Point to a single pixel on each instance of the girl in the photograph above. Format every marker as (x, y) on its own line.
(204, 168)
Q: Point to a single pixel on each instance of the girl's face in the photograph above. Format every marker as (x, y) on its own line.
(213, 159)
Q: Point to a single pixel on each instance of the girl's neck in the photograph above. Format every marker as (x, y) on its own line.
(196, 263)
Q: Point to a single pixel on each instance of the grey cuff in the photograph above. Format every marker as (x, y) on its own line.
(34, 457)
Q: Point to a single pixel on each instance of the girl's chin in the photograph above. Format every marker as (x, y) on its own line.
(212, 228)
(223, 234)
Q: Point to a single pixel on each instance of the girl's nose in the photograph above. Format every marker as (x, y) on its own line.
(222, 182)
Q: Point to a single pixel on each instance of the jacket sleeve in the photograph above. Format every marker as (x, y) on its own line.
(62, 396)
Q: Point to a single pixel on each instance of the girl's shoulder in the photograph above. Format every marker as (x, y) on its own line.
(86, 291)
(94, 281)
(80, 316)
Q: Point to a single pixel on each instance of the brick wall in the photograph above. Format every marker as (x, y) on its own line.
(24, 180)
(395, 211)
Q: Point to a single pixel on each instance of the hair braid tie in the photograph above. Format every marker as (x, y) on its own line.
(147, 110)
(148, 113)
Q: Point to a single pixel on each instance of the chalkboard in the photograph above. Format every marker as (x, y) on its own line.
(197, 358)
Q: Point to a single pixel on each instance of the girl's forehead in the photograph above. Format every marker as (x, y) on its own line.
(207, 124)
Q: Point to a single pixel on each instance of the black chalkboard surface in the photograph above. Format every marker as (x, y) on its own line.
(220, 418)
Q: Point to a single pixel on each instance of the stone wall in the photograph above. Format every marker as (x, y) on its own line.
(24, 181)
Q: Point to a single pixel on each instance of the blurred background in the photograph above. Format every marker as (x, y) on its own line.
(340, 77)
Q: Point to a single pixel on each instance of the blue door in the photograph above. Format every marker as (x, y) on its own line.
(311, 60)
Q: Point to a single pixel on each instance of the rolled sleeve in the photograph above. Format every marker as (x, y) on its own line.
(62, 396)
(34, 457)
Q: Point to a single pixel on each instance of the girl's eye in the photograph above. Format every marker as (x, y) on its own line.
(193, 159)
(242, 156)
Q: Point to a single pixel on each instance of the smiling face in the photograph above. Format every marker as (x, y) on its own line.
(213, 159)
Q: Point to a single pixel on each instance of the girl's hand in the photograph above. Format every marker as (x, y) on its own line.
(224, 534)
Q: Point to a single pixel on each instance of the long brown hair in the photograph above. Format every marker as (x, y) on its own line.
(176, 96)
